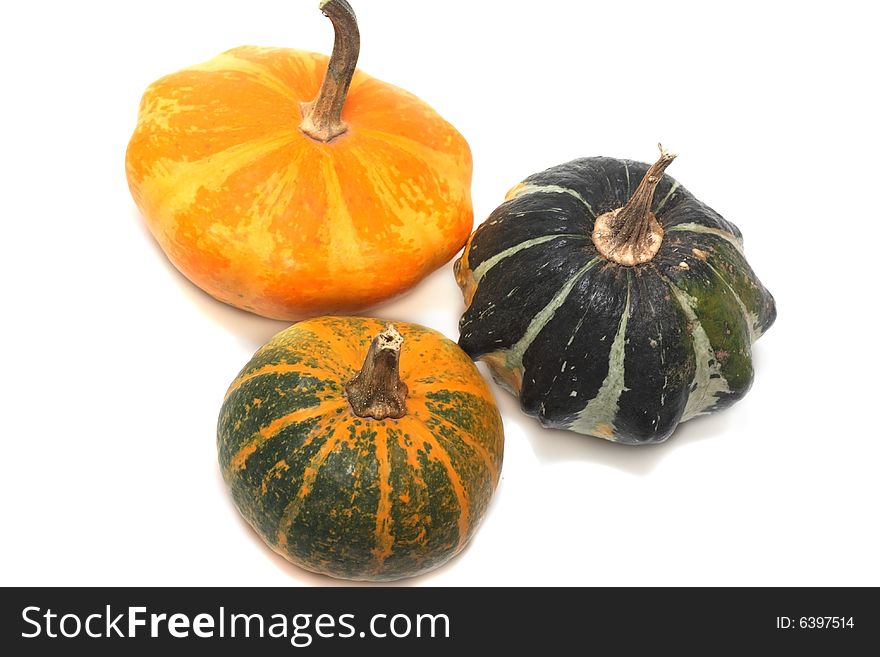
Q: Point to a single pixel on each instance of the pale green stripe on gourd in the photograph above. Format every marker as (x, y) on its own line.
(486, 265)
(731, 267)
(708, 230)
(514, 354)
(669, 194)
(553, 189)
(752, 320)
(599, 413)
(709, 380)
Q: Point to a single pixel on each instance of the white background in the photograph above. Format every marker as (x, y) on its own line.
(114, 366)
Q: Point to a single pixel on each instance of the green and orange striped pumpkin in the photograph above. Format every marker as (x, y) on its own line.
(357, 457)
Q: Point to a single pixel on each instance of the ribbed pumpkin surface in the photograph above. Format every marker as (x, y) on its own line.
(267, 219)
(355, 497)
(622, 353)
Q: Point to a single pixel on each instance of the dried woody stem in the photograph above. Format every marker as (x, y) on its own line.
(322, 118)
(377, 391)
(632, 235)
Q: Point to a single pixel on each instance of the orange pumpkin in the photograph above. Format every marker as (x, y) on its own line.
(290, 208)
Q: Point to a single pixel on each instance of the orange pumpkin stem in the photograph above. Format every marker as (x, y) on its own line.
(322, 118)
(377, 391)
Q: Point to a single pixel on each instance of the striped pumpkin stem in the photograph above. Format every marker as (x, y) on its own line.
(377, 391)
(322, 118)
(632, 235)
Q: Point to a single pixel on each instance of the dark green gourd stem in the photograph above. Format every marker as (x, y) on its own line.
(322, 118)
(631, 235)
(377, 391)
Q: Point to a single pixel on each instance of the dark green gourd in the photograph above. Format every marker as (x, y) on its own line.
(361, 451)
(611, 301)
